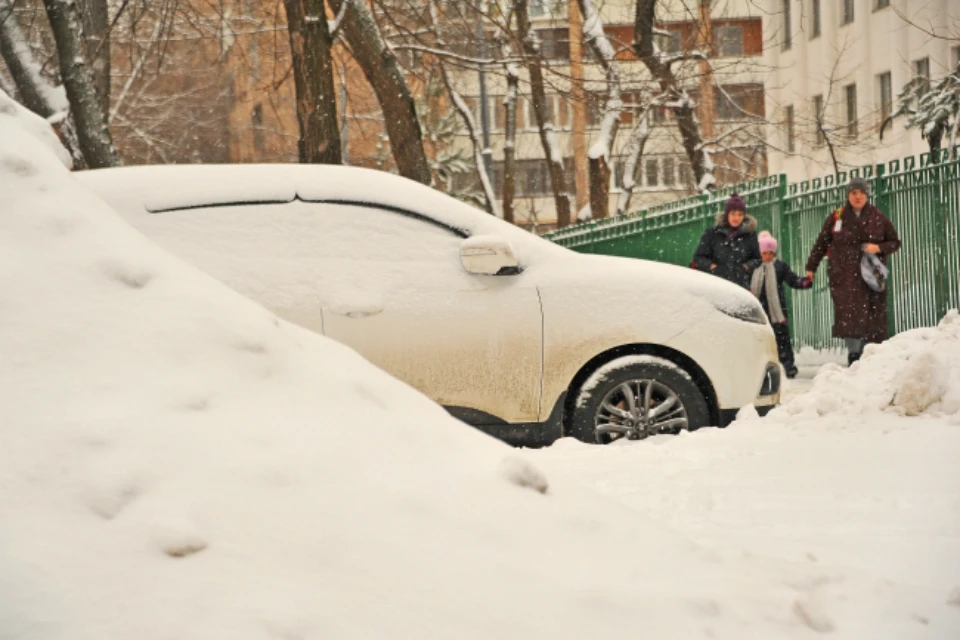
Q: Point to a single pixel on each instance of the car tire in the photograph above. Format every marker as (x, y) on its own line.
(636, 396)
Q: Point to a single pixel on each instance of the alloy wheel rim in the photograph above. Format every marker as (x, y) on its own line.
(639, 408)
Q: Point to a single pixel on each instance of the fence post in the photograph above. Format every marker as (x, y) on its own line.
(883, 203)
(940, 213)
(786, 238)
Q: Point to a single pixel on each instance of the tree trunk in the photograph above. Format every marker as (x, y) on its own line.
(682, 106)
(638, 141)
(578, 105)
(599, 153)
(93, 134)
(541, 109)
(510, 143)
(310, 45)
(383, 73)
(35, 92)
(96, 27)
(489, 198)
(599, 187)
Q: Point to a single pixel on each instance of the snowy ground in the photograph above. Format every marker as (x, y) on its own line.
(175, 462)
(860, 491)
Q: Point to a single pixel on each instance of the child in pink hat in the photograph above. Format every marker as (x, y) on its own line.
(767, 284)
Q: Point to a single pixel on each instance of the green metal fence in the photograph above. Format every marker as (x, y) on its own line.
(921, 196)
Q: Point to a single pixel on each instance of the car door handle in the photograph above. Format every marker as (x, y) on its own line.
(357, 311)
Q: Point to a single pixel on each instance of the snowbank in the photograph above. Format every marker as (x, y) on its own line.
(916, 373)
(175, 462)
(38, 128)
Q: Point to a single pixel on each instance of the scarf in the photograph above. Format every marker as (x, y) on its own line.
(764, 279)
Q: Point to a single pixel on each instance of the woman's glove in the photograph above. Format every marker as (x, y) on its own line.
(806, 283)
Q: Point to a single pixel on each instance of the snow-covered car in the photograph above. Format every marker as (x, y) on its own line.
(519, 337)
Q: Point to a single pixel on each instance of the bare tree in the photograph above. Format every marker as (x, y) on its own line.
(35, 91)
(382, 71)
(598, 155)
(510, 140)
(93, 134)
(96, 28)
(635, 147)
(310, 45)
(661, 66)
(176, 90)
(541, 109)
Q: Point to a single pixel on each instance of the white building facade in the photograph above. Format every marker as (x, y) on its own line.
(836, 68)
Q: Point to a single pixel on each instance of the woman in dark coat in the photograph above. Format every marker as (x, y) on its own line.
(860, 313)
(730, 249)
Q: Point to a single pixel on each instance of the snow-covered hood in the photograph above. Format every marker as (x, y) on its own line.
(647, 281)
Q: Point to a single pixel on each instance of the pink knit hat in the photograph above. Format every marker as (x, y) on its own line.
(767, 242)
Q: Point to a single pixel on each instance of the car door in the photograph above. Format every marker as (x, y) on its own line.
(386, 283)
(392, 287)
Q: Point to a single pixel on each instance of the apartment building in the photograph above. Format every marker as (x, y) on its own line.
(731, 32)
(836, 68)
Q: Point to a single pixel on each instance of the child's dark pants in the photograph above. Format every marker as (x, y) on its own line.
(784, 348)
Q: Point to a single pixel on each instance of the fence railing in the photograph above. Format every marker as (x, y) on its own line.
(921, 196)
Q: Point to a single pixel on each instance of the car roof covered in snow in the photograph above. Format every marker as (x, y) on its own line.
(160, 188)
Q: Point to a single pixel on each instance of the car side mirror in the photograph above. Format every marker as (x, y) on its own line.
(488, 256)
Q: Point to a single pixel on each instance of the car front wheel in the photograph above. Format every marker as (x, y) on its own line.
(637, 396)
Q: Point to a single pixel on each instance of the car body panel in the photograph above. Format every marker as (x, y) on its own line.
(735, 366)
(652, 304)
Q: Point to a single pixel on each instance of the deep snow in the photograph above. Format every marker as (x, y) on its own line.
(175, 462)
(856, 473)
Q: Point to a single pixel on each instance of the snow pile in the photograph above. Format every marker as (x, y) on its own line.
(177, 463)
(38, 129)
(916, 373)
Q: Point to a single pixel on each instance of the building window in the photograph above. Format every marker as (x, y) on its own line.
(739, 102)
(651, 171)
(554, 43)
(847, 17)
(818, 119)
(630, 107)
(531, 178)
(561, 112)
(921, 69)
(850, 98)
(885, 90)
(787, 30)
(882, 4)
(658, 114)
(497, 112)
(728, 41)
(685, 174)
(815, 19)
(670, 42)
(789, 124)
(410, 59)
(526, 116)
(595, 104)
(547, 8)
(669, 177)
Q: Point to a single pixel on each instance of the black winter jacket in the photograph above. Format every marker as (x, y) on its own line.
(784, 275)
(736, 252)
